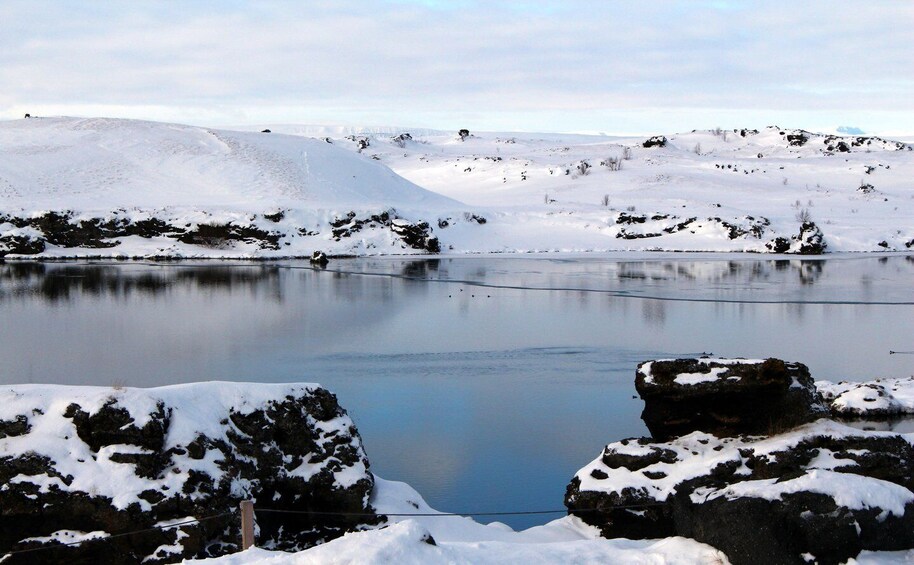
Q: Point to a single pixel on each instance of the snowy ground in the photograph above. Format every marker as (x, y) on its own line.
(532, 185)
(461, 540)
(492, 192)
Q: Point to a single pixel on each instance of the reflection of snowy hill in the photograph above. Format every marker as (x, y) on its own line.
(773, 189)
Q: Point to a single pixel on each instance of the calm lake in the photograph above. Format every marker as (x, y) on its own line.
(484, 382)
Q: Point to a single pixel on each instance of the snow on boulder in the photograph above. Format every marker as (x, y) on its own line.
(94, 462)
(882, 398)
(823, 490)
(725, 396)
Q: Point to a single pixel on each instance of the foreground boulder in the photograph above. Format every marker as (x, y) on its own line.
(822, 492)
(725, 396)
(78, 463)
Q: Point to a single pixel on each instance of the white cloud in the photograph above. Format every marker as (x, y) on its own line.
(517, 65)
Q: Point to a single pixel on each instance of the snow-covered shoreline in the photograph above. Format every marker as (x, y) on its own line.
(129, 189)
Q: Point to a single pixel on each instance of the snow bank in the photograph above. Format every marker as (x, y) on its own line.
(450, 539)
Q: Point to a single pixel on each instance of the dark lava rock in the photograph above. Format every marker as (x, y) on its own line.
(655, 141)
(797, 139)
(778, 245)
(123, 460)
(810, 241)
(626, 218)
(414, 235)
(222, 235)
(20, 245)
(725, 396)
(680, 226)
(276, 217)
(15, 427)
(823, 489)
(61, 229)
(417, 236)
(319, 258)
(754, 530)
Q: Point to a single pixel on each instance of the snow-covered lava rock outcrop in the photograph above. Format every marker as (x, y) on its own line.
(725, 396)
(819, 492)
(91, 462)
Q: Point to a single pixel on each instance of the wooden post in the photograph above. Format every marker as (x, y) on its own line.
(247, 523)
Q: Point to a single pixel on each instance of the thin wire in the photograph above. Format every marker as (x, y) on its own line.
(112, 536)
(321, 513)
(901, 352)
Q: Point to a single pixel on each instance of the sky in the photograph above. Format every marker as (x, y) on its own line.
(610, 66)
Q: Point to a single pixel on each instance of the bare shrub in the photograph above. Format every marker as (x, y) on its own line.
(627, 153)
(605, 201)
(612, 163)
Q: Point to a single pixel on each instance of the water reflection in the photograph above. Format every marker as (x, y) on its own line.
(57, 282)
(902, 425)
(466, 375)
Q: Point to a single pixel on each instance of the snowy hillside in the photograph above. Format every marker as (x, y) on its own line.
(143, 188)
(718, 190)
(140, 188)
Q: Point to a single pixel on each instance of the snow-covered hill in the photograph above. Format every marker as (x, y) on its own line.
(142, 188)
(744, 188)
(103, 186)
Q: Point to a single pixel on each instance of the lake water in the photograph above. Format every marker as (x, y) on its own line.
(484, 382)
